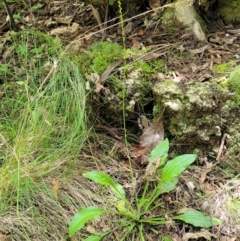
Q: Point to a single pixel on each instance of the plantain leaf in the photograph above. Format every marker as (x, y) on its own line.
(197, 219)
(82, 217)
(176, 166)
(159, 151)
(166, 186)
(103, 179)
(172, 170)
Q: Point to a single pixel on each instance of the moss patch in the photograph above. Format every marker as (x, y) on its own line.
(99, 56)
(224, 67)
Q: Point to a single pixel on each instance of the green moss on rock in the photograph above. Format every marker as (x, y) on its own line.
(99, 56)
(224, 67)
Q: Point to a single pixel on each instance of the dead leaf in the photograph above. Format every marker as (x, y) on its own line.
(5, 236)
(96, 15)
(49, 22)
(55, 188)
(141, 32)
(141, 151)
(202, 234)
(91, 229)
(205, 172)
(233, 238)
(64, 20)
(74, 238)
(151, 169)
(220, 152)
(95, 78)
(61, 30)
(217, 60)
(190, 186)
(144, 159)
(153, 135)
(177, 237)
(177, 78)
(128, 28)
(135, 42)
(65, 30)
(75, 27)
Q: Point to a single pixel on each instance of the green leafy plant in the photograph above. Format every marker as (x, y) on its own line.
(147, 209)
(17, 16)
(37, 6)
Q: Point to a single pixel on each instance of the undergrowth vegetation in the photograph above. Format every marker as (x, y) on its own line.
(44, 174)
(146, 211)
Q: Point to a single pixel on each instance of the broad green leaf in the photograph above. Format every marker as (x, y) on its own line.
(159, 151)
(197, 219)
(166, 186)
(82, 217)
(176, 166)
(171, 171)
(163, 159)
(103, 179)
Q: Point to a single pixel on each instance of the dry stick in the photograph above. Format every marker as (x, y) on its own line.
(225, 136)
(12, 22)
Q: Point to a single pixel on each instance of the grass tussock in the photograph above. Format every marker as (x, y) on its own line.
(42, 130)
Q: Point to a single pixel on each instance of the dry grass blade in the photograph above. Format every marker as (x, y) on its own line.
(46, 218)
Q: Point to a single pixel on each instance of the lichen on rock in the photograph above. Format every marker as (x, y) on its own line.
(197, 122)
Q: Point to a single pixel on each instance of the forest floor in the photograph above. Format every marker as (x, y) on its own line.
(41, 165)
